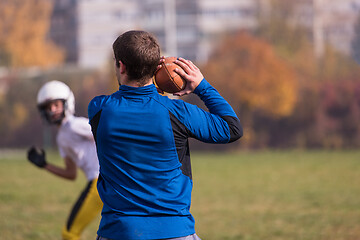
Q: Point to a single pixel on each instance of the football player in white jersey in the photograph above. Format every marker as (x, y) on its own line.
(76, 146)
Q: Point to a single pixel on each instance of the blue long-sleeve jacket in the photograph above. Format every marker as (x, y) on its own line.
(145, 178)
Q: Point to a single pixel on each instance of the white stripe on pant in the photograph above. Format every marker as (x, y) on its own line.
(190, 237)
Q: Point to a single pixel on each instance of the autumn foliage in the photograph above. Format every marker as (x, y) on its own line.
(257, 82)
(249, 70)
(284, 96)
(24, 27)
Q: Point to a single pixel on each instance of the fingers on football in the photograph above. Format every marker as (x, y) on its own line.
(182, 72)
(184, 64)
(190, 64)
(161, 61)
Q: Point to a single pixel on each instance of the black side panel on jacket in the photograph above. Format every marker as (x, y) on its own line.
(181, 135)
(94, 122)
(236, 130)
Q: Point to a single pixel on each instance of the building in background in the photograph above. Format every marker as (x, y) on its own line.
(215, 18)
(100, 22)
(184, 28)
(64, 28)
(332, 22)
(187, 28)
(174, 24)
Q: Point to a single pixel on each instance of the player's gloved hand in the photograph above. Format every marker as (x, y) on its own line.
(37, 157)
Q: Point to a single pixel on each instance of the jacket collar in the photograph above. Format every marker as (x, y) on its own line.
(133, 91)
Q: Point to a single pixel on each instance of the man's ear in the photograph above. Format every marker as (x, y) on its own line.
(122, 67)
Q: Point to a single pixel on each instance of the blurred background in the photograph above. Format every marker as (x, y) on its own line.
(290, 68)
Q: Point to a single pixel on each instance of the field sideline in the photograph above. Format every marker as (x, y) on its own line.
(273, 195)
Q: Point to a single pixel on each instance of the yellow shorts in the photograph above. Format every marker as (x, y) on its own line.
(87, 207)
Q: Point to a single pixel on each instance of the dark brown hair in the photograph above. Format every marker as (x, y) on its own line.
(139, 51)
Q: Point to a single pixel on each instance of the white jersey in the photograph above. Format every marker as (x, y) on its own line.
(75, 140)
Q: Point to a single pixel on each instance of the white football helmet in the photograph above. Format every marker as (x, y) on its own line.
(55, 90)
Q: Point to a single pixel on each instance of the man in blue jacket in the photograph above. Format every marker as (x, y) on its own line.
(141, 136)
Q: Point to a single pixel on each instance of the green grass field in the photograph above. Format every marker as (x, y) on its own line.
(248, 195)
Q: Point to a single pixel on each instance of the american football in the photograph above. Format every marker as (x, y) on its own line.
(167, 79)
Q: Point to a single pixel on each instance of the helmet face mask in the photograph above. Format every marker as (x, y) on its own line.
(51, 92)
(53, 116)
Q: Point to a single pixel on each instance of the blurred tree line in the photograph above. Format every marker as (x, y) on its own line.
(284, 95)
(24, 26)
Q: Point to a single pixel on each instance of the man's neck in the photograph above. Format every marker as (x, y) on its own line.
(135, 83)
